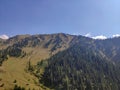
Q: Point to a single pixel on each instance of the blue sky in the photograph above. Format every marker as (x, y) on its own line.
(97, 17)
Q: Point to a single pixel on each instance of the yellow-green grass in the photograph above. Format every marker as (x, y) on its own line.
(15, 69)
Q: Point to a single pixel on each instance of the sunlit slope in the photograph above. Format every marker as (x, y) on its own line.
(19, 51)
(36, 48)
(16, 69)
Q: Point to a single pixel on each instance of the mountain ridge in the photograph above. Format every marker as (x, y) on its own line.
(36, 48)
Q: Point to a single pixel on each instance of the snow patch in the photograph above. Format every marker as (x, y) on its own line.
(101, 37)
(116, 35)
(4, 37)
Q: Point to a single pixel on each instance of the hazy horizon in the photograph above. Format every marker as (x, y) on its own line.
(79, 17)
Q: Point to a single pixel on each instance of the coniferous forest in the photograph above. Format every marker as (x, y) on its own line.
(74, 62)
(81, 67)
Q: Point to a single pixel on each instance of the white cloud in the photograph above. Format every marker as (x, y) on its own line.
(4, 37)
(100, 37)
(116, 35)
(88, 35)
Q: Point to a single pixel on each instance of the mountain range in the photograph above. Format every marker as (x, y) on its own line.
(59, 62)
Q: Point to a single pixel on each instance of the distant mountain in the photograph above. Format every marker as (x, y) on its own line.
(69, 62)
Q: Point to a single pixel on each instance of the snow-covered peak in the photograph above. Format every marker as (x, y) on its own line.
(4, 37)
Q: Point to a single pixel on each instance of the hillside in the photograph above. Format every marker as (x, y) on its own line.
(17, 51)
(81, 67)
(59, 61)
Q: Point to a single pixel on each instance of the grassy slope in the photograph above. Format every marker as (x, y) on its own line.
(14, 69)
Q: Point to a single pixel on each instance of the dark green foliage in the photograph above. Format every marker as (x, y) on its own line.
(12, 51)
(81, 67)
(86, 65)
(16, 87)
(1, 85)
(56, 43)
(15, 81)
(110, 47)
(30, 67)
(3, 56)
